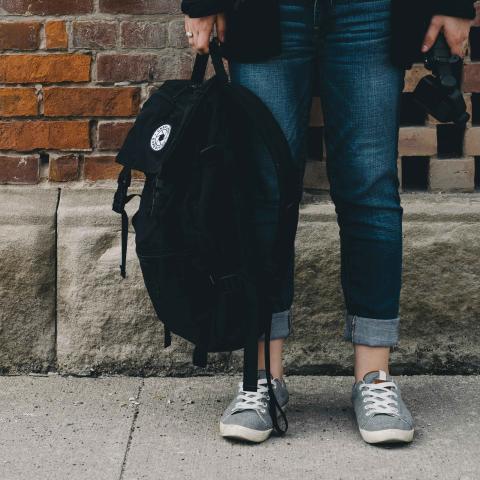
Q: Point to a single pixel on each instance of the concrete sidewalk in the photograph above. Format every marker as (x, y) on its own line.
(124, 428)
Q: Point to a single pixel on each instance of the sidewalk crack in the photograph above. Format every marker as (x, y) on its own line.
(54, 366)
(132, 429)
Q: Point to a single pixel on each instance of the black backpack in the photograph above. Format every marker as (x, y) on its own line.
(211, 276)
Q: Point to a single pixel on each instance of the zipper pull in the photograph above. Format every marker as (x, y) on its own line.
(156, 194)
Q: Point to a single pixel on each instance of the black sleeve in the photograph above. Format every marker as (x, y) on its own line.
(453, 8)
(202, 8)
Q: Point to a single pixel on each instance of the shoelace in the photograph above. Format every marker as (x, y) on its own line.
(257, 401)
(380, 398)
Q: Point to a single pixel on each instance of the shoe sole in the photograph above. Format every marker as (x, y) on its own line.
(238, 432)
(387, 436)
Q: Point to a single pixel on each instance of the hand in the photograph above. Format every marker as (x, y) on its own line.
(202, 28)
(456, 31)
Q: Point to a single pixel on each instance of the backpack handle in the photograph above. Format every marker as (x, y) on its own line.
(201, 60)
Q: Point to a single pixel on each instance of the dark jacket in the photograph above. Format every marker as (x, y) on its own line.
(253, 26)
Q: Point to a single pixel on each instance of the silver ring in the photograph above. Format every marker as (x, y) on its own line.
(189, 34)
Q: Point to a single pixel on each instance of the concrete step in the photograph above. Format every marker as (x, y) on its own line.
(95, 321)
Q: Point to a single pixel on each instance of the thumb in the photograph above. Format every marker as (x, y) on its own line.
(220, 26)
(431, 35)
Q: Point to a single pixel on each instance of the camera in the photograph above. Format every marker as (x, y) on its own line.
(440, 94)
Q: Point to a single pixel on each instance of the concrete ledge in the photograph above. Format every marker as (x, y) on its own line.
(27, 279)
(105, 324)
(440, 303)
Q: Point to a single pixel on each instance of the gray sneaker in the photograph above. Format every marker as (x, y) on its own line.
(247, 417)
(382, 416)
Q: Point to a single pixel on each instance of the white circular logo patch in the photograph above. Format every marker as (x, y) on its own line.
(160, 137)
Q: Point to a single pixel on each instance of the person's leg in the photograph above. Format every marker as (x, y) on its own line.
(284, 84)
(360, 91)
(276, 363)
(369, 359)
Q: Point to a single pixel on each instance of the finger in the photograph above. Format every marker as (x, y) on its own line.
(188, 28)
(458, 49)
(221, 27)
(202, 41)
(431, 35)
(457, 44)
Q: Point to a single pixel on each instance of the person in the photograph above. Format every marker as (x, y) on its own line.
(354, 53)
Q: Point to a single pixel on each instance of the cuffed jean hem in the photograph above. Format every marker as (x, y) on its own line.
(372, 332)
(281, 325)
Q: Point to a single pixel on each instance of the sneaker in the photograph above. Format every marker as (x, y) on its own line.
(248, 417)
(382, 416)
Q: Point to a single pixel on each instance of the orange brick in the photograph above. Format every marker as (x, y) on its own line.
(90, 102)
(45, 68)
(56, 33)
(63, 168)
(413, 76)
(18, 102)
(30, 135)
(104, 167)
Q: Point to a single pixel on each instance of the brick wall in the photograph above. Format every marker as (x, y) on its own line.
(74, 73)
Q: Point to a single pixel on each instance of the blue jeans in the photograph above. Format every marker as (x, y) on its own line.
(343, 47)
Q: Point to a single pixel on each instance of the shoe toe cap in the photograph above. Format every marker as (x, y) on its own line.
(387, 422)
(248, 419)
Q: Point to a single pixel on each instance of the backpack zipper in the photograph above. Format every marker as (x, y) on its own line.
(157, 185)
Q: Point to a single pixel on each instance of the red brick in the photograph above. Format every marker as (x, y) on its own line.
(18, 102)
(91, 102)
(316, 114)
(19, 169)
(19, 36)
(143, 34)
(180, 65)
(94, 34)
(63, 168)
(176, 33)
(44, 68)
(143, 67)
(471, 79)
(24, 136)
(140, 7)
(111, 135)
(56, 33)
(46, 7)
(126, 67)
(104, 167)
